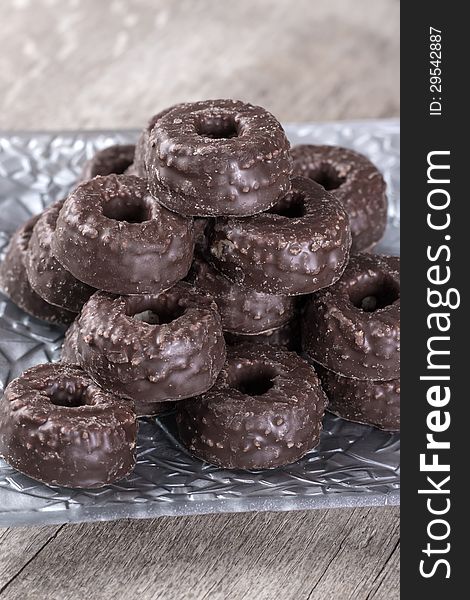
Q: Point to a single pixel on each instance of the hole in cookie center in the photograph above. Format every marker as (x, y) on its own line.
(67, 394)
(256, 381)
(217, 127)
(156, 312)
(128, 209)
(159, 318)
(374, 295)
(327, 176)
(291, 206)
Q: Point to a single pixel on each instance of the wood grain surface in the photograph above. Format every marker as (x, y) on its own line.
(335, 554)
(111, 64)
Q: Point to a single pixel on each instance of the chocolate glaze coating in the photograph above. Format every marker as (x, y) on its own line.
(151, 348)
(114, 236)
(46, 275)
(57, 426)
(355, 180)
(264, 411)
(221, 157)
(142, 145)
(284, 254)
(70, 354)
(353, 327)
(287, 336)
(114, 159)
(15, 284)
(371, 402)
(242, 310)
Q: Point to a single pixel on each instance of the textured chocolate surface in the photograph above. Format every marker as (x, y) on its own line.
(298, 251)
(115, 159)
(264, 411)
(114, 236)
(151, 348)
(143, 142)
(70, 354)
(57, 426)
(242, 310)
(46, 275)
(372, 402)
(15, 284)
(353, 327)
(287, 336)
(222, 157)
(355, 180)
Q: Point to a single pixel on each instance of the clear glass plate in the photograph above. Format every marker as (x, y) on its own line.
(354, 465)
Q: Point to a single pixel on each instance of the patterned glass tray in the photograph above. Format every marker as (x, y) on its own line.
(354, 465)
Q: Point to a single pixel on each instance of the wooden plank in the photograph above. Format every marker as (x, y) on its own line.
(310, 554)
(362, 558)
(388, 584)
(19, 547)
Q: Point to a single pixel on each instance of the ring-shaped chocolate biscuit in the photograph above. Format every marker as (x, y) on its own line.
(151, 348)
(57, 426)
(374, 403)
(48, 278)
(15, 284)
(264, 411)
(221, 157)
(114, 236)
(355, 180)
(115, 159)
(298, 248)
(242, 310)
(353, 327)
(70, 354)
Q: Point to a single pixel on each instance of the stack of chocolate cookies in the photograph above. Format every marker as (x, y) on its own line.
(351, 331)
(206, 270)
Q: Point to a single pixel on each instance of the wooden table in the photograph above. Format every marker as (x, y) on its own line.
(84, 63)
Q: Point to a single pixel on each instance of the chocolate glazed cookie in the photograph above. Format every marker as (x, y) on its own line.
(46, 275)
(15, 284)
(221, 157)
(114, 236)
(264, 411)
(114, 159)
(355, 181)
(57, 426)
(302, 245)
(371, 402)
(70, 354)
(151, 348)
(353, 327)
(242, 310)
